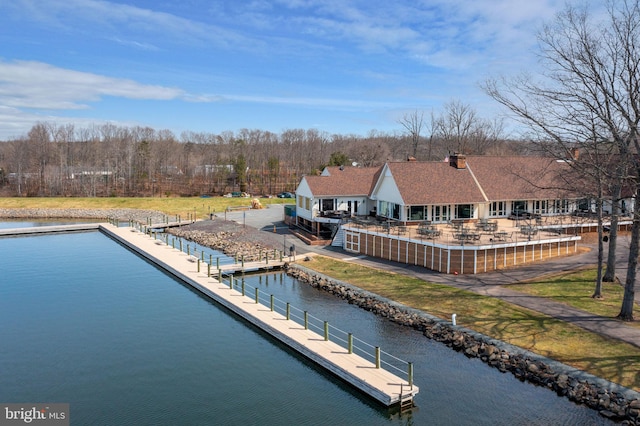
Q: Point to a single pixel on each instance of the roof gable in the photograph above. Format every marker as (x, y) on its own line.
(342, 181)
(422, 183)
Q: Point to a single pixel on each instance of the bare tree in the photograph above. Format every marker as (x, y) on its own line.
(412, 123)
(590, 92)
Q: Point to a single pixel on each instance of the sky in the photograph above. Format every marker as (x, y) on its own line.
(338, 66)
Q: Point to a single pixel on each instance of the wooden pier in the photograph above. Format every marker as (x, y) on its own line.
(379, 384)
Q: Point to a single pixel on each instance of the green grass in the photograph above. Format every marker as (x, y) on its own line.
(170, 206)
(576, 289)
(601, 356)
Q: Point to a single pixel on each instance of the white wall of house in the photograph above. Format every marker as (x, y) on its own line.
(304, 196)
(386, 191)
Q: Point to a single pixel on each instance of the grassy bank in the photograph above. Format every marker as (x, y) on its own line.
(613, 360)
(170, 206)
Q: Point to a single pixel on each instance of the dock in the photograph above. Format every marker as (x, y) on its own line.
(381, 385)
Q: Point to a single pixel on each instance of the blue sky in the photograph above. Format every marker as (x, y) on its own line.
(339, 66)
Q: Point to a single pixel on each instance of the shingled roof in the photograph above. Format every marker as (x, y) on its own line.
(480, 179)
(434, 183)
(344, 181)
(518, 177)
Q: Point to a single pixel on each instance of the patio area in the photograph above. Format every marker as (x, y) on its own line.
(482, 231)
(470, 246)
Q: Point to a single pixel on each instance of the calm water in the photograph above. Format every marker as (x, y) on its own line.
(85, 321)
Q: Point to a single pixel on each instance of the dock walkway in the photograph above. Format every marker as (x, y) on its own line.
(380, 384)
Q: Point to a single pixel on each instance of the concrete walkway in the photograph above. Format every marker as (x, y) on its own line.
(494, 284)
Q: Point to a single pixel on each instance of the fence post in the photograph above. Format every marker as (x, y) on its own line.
(181, 244)
(272, 303)
(326, 330)
(288, 310)
(208, 269)
(350, 343)
(243, 286)
(410, 374)
(257, 294)
(377, 356)
(218, 262)
(231, 281)
(306, 320)
(198, 265)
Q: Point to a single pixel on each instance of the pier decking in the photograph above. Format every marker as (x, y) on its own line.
(380, 384)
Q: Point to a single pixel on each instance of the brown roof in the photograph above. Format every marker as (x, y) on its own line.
(344, 181)
(486, 178)
(519, 178)
(434, 183)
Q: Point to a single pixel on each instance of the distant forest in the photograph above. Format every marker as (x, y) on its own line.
(109, 160)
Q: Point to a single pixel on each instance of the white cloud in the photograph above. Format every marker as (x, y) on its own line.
(36, 85)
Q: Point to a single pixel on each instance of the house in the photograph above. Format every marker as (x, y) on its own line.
(338, 192)
(471, 188)
(440, 197)
(463, 188)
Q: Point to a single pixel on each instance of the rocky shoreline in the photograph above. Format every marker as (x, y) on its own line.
(93, 214)
(610, 400)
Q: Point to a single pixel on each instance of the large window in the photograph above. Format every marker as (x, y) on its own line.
(389, 210)
(464, 211)
(519, 206)
(416, 213)
(498, 208)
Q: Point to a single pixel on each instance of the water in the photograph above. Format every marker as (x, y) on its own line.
(85, 321)
(22, 223)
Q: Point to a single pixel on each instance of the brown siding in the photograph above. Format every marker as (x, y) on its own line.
(462, 261)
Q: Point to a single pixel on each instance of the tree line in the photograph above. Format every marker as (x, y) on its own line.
(110, 160)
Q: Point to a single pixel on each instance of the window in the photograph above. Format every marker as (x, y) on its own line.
(440, 213)
(541, 206)
(464, 211)
(387, 209)
(498, 208)
(307, 203)
(326, 204)
(300, 197)
(561, 206)
(416, 213)
(519, 206)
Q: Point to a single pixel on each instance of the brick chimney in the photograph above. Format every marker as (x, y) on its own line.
(574, 153)
(459, 161)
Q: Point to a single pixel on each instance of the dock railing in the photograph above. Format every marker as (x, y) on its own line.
(400, 368)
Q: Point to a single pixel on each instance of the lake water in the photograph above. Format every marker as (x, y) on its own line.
(85, 321)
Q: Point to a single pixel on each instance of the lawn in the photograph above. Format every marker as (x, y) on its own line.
(600, 356)
(170, 206)
(575, 289)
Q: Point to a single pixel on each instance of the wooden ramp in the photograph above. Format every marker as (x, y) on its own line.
(380, 384)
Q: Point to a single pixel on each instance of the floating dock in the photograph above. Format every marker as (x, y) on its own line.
(381, 385)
